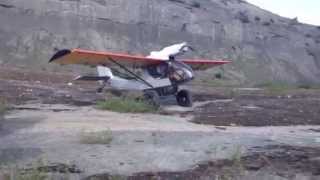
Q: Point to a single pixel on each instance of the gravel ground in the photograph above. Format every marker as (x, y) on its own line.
(48, 118)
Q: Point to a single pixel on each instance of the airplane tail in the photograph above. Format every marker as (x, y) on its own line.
(104, 74)
(92, 78)
(104, 71)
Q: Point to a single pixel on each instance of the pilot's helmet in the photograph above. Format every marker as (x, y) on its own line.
(171, 58)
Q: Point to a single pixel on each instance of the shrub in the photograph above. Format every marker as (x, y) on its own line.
(308, 35)
(276, 87)
(266, 23)
(100, 137)
(178, 1)
(271, 21)
(243, 17)
(257, 18)
(304, 86)
(196, 5)
(218, 75)
(32, 173)
(3, 107)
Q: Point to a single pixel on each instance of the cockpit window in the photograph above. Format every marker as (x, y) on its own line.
(159, 71)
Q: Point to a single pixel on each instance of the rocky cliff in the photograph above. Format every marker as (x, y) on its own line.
(262, 45)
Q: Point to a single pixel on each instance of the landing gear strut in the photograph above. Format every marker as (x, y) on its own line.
(184, 98)
(100, 89)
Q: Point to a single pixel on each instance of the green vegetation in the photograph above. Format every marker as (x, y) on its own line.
(278, 87)
(308, 86)
(110, 177)
(33, 173)
(38, 170)
(127, 105)
(3, 107)
(236, 169)
(3, 110)
(236, 158)
(117, 177)
(100, 137)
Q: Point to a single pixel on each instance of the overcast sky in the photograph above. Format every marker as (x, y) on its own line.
(307, 11)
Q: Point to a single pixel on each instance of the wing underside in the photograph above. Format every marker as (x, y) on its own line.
(95, 58)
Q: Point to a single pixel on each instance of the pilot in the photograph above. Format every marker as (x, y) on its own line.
(172, 58)
(159, 71)
(175, 73)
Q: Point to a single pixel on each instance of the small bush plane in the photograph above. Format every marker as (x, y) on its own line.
(161, 72)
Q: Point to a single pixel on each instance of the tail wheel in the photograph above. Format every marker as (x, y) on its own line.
(152, 97)
(184, 98)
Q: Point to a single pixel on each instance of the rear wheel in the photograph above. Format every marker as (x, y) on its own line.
(152, 97)
(184, 98)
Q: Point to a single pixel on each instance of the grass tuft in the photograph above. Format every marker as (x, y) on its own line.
(3, 107)
(280, 88)
(276, 88)
(3, 110)
(100, 137)
(15, 173)
(126, 105)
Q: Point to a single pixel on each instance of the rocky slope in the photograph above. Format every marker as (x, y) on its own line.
(263, 46)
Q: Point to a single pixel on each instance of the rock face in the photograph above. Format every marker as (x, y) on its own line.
(263, 46)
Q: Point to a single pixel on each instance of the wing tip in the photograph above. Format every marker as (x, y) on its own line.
(226, 61)
(59, 54)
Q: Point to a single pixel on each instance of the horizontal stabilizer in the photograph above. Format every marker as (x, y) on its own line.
(92, 78)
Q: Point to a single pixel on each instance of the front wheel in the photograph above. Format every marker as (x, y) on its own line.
(184, 98)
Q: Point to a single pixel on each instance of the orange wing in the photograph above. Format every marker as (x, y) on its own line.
(95, 58)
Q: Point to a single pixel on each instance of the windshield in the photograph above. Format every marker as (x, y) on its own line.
(180, 72)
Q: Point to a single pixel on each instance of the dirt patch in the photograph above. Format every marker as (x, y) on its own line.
(44, 77)
(284, 159)
(20, 92)
(275, 161)
(260, 110)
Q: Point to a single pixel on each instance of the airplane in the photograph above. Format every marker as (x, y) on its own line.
(162, 73)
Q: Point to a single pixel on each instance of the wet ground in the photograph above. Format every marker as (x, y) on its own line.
(237, 133)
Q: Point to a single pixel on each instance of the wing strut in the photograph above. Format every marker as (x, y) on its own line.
(130, 72)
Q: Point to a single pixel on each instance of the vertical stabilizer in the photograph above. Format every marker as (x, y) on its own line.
(172, 50)
(104, 71)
